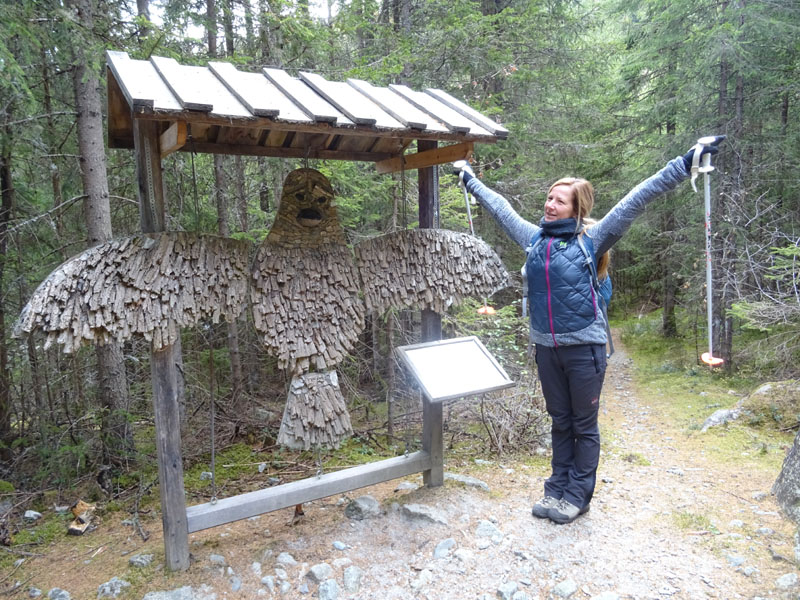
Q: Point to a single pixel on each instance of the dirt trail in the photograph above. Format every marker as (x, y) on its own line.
(665, 523)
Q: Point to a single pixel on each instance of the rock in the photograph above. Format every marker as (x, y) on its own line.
(786, 581)
(256, 569)
(217, 560)
(565, 589)
(236, 583)
(736, 524)
(58, 594)
(34, 592)
(606, 596)
(467, 481)
(406, 486)
(488, 529)
(328, 590)
(285, 588)
(338, 563)
(340, 545)
(269, 581)
(184, 593)
(519, 595)
(206, 476)
(722, 416)
(443, 548)
(423, 579)
(464, 554)
(319, 573)
(506, 590)
(735, 560)
(421, 512)
(281, 574)
(286, 559)
(352, 579)
(112, 588)
(32, 515)
(362, 508)
(787, 486)
(140, 561)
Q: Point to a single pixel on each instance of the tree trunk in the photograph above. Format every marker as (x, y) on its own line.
(6, 206)
(221, 186)
(113, 393)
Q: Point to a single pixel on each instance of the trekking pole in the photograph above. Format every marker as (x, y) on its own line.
(705, 169)
(485, 309)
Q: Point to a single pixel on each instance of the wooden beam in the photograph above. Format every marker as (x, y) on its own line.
(227, 510)
(163, 364)
(173, 138)
(427, 158)
(149, 176)
(287, 152)
(431, 322)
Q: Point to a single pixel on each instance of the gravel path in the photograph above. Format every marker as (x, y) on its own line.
(665, 523)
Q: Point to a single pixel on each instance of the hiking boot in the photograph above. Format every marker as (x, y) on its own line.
(542, 507)
(565, 512)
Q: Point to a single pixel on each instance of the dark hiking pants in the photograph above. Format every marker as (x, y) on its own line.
(571, 378)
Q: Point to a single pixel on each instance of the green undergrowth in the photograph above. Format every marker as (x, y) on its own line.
(671, 380)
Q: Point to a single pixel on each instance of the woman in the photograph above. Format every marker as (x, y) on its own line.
(566, 326)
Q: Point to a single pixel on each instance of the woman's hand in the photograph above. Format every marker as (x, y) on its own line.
(464, 172)
(707, 148)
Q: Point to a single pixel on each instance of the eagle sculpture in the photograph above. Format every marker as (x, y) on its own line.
(309, 293)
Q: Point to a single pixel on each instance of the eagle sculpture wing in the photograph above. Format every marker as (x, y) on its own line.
(150, 285)
(427, 268)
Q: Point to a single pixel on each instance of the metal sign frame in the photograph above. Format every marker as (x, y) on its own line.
(453, 368)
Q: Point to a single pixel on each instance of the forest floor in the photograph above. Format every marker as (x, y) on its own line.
(672, 517)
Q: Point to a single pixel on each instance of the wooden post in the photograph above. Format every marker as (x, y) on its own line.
(163, 364)
(432, 438)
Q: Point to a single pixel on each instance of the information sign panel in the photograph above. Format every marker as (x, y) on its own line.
(454, 368)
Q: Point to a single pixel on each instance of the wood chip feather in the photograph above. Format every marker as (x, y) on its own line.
(148, 285)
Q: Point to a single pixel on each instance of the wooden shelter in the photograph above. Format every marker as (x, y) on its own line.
(159, 106)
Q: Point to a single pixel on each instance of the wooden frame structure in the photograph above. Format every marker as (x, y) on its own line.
(159, 106)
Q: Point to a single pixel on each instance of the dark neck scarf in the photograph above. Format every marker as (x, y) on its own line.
(563, 228)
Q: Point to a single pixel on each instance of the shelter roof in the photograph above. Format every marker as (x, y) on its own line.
(219, 109)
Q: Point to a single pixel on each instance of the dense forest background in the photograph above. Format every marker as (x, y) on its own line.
(608, 90)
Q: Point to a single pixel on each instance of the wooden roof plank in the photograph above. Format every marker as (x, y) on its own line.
(197, 88)
(246, 89)
(141, 84)
(304, 97)
(402, 110)
(468, 112)
(358, 107)
(427, 103)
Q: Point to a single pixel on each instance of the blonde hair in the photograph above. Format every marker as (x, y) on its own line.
(582, 204)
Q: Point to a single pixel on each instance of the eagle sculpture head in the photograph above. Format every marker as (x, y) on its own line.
(306, 215)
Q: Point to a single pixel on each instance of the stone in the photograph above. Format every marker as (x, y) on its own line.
(352, 579)
(422, 512)
(467, 481)
(362, 508)
(443, 548)
(565, 589)
(506, 590)
(58, 594)
(112, 588)
(328, 590)
(217, 560)
(787, 486)
(286, 559)
(786, 581)
(32, 515)
(269, 581)
(187, 592)
(140, 561)
(320, 572)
